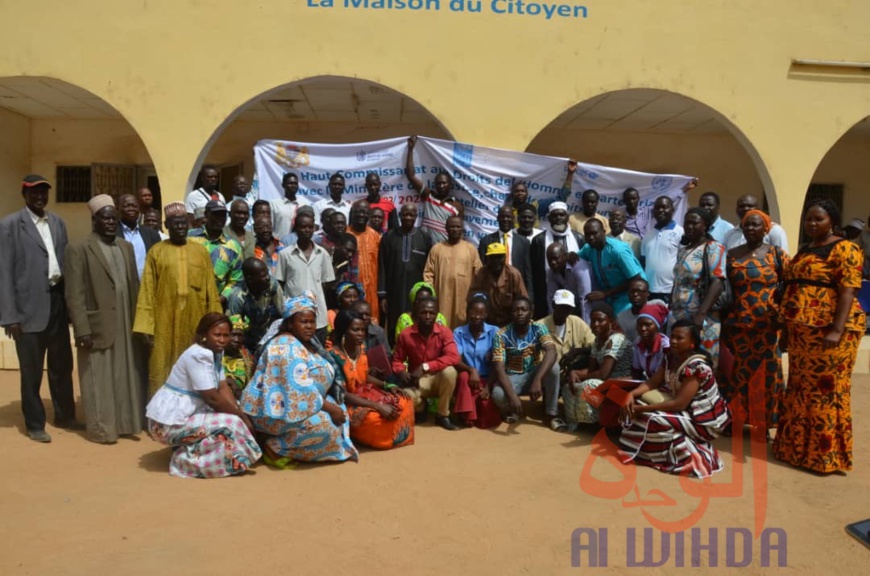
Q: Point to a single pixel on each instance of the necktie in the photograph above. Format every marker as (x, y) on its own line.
(508, 247)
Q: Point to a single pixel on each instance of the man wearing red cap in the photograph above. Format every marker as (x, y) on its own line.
(32, 308)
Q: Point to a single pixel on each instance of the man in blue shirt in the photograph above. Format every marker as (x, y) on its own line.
(141, 237)
(613, 266)
(710, 202)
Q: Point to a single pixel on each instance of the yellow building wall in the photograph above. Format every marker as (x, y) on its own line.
(14, 159)
(178, 70)
(848, 163)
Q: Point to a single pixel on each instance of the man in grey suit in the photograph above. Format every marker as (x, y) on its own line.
(32, 308)
(518, 247)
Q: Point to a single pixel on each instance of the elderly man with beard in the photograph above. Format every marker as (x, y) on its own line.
(556, 230)
(501, 282)
(402, 257)
(102, 285)
(178, 288)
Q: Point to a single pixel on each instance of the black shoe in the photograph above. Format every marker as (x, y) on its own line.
(444, 422)
(69, 424)
(420, 417)
(39, 436)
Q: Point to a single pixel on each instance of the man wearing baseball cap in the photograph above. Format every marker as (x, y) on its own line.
(226, 254)
(501, 283)
(32, 308)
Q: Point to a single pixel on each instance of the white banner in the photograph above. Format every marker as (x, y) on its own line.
(482, 176)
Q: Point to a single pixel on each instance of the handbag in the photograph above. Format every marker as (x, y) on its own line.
(608, 398)
(726, 297)
(577, 359)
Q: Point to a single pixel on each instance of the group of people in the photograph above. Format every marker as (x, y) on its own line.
(296, 332)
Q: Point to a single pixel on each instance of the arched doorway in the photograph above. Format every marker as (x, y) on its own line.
(325, 109)
(842, 174)
(77, 140)
(657, 131)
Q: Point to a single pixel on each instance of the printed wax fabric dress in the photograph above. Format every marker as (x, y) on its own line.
(815, 419)
(689, 291)
(284, 400)
(618, 347)
(752, 333)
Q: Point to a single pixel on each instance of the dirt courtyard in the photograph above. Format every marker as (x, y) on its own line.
(473, 502)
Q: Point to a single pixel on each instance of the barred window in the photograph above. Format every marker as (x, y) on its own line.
(73, 183)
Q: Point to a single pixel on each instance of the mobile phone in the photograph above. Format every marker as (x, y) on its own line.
(860, 531)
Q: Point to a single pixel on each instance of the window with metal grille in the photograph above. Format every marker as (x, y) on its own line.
(73, 183)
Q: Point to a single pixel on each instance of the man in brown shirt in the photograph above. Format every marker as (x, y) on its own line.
(501, 283)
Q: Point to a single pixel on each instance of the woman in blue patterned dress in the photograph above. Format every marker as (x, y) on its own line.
(295, 398)
(696, 285)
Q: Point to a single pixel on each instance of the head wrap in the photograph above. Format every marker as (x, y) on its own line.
(99, 202)
(557, 206)
(765, 219)
(239, 322)
(412, 295)
(344, 286)
(656, 312)
(496, 249)
(305, 302)
(174, 209)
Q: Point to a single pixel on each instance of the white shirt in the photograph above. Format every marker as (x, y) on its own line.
(296, 275)
(284, 214)
(660, 248)
(54, 273)
(776, 237)
(321, 205)
(198, 199)
(197, 368)
(719, 230)
(535, 232)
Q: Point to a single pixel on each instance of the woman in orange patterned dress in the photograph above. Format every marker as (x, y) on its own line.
(381, 416)
(824, 326)
(751, 330)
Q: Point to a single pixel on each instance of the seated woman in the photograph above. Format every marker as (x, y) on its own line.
(650, 345)
(237, 361)
(196, 413)
(293, 398)
(610, 358)
(474, 343)
(674, 434)
(381, 416)
(346, 293)
(418, 291)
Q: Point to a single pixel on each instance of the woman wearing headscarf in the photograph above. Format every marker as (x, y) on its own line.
(237, 361)
(196, 413)
(751, 330)
(381, 416)
(651, 343)
(610, 358)
(824, 326)
(296, 397)
(699, 279)
(346, 293)
(419, 290)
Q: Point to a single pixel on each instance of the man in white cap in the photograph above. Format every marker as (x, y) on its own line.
(555, 230)
(853, 229)
(178, 288)
(102, 284)
(568, 330)
(32, 308)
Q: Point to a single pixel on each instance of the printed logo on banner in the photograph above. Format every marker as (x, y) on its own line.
(361, 155)
(463, 154)
(292, 156)
(661, 183)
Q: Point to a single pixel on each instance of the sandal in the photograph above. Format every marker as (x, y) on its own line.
(558, 425)
(511, 419)
(284, 463)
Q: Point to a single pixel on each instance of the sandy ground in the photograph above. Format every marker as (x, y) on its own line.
(475, 502)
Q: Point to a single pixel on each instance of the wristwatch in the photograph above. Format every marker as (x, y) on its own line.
(425, 367)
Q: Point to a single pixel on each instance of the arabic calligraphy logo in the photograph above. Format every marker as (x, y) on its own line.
(292, 156)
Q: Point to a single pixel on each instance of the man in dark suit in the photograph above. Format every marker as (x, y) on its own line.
(141, 237)
(557, 230)
(518, 247)
(32, 308)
